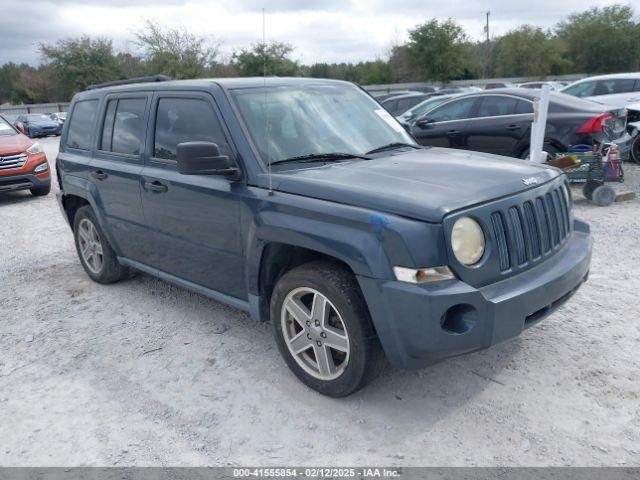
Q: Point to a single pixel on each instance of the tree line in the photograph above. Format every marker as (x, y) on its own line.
(597, 40)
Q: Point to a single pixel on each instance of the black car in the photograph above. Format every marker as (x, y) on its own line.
(399, 104)
(499, 122)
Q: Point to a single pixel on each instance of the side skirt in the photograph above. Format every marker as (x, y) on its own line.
(207, 292)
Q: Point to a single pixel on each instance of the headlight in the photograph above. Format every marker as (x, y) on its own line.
(34, 149)
(43, 167)
(467, 241)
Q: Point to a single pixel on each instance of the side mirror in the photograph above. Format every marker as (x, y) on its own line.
(20, 127)
(203, 158)
(424, 122)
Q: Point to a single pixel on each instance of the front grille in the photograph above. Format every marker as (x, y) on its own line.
(13, 161)
(529, 230)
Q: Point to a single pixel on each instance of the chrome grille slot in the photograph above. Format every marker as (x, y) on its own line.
(13, 161)
(527, 231)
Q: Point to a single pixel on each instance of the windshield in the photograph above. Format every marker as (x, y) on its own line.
(286, 122)
(5, 128)
(427, 106)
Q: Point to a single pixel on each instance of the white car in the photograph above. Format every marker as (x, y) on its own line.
(617, 89)
(633, 127)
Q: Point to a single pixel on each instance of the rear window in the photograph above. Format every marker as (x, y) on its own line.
(81, 124)
(123, 127)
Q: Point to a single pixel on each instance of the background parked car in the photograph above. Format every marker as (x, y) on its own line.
(499, 121)
(400, 104)
(494, 85)
(59, 117)
(553, 85)
(633, 127)
(385, 96)
(423, 107)
(617, 89)
(23, 163)
(38, 125)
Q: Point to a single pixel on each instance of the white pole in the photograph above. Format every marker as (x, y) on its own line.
(540, 110)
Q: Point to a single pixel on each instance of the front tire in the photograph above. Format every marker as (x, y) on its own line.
(41, 191)
(635, 149)
(96, 255)
(323, 329)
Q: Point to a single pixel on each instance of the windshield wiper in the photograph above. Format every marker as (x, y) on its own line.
(325, 157)
(390, 146)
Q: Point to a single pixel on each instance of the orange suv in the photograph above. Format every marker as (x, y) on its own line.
(23, 163)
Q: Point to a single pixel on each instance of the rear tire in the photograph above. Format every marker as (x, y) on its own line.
(635, 150)
(96, 255)
(41, 191)
(603, 196)
(325, 287)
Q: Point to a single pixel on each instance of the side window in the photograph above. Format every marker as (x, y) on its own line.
(617, 85)
(185, 120)
(81, 124)
(391, 105)
(495, 106)
(524, 106)
(123, 128)
(456, 110)
(636, 88)
(585, 89)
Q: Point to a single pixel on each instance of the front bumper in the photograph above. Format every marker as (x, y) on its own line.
(23, 181)
(421, 324)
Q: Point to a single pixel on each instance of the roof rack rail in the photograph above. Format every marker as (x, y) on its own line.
(128, 81)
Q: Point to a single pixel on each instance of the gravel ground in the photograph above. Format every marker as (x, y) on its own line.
(145, 373)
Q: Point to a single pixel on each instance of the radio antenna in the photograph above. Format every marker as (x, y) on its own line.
(266, 115)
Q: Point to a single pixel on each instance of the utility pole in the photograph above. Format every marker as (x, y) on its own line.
(487, 47)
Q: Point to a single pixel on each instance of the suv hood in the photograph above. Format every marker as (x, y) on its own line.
(424, 184)
(17, 143)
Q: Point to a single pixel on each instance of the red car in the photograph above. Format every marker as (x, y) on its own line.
(23, 163)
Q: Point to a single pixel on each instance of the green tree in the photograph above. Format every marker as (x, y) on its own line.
(265, 58)
(79, 62)
(526, 52)
(175, 52)
(438, 50)
(602, 40)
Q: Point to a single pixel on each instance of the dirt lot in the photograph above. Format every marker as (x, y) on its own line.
(144, 373)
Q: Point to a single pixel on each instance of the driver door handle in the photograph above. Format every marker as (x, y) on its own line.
(99, 175)
(515, 126)
(453, 132)
(156, 186)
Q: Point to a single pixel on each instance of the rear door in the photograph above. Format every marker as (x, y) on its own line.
(447, 124)
(500, 125)
(115, 171)
(195, 219)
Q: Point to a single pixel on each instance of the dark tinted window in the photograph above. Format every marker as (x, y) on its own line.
(390, 105)
(617, 85)
(455, 110)
(636, 88)
(185, 120)
(124, 126)
(524, 106)
(584, 89)
(81, 124)
(495, 106)
(405, 104)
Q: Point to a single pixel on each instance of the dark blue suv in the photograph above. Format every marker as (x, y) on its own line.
(303, 202)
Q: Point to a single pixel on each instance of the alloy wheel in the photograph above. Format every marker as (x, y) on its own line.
(90, 246)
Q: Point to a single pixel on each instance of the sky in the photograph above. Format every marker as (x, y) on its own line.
(320, 30)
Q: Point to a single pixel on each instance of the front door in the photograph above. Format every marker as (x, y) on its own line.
(195, 219)
(446, 124)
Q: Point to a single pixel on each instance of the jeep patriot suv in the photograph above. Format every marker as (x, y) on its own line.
(304, 203)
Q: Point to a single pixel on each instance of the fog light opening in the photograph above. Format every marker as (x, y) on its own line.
(459, 319)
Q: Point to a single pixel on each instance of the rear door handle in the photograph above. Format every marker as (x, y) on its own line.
(99, 175)
(453, 132)
(515, 126)
(156, 186)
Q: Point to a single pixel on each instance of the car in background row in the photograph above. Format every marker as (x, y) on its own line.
(23, 163)
(401, 103)
(59, 117)
(554, 85)
(38, 125)
(423, 107)
(618, 89)
(633, 127)
(499, 122)
(494, 85)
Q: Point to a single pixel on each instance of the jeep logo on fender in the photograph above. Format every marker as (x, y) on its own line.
(530, 181)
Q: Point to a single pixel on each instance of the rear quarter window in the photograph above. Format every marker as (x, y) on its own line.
(81, 123)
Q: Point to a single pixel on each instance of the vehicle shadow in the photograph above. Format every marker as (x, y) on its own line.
(12, 198)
